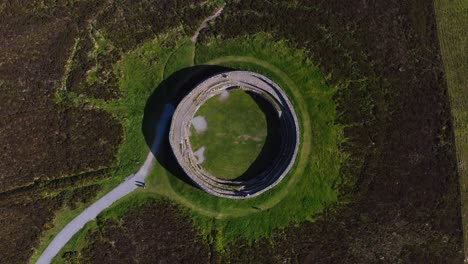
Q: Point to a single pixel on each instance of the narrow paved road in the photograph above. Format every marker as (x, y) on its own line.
(107, 200)
(124, 188)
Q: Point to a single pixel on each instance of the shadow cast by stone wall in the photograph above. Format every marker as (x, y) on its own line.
(171, 91)
(271, 147)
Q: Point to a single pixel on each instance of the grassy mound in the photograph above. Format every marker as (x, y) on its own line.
(236, 133)
(309, 187)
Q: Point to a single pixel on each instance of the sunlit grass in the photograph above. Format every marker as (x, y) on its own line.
(307, 190)
(236, 133)
(452, 29)
(309, 187)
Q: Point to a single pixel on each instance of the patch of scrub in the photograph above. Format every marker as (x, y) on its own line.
(199, 123)
(223, 96)
(200, 154)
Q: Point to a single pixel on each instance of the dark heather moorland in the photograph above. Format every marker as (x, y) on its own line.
(401, 179)
(55, 155)
(407, 201)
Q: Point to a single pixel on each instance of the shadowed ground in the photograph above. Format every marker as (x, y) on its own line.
(171, 91)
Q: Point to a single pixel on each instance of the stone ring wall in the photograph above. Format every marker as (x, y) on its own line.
(289, 131)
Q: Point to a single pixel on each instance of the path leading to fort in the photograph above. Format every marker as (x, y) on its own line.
(88, 215)
(204, 24)
(129, 185)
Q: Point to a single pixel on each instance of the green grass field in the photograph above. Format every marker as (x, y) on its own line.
(452, 29)
(309, 187)
(129, 112)
(237, 130)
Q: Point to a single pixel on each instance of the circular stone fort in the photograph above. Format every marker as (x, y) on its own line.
(288, 144)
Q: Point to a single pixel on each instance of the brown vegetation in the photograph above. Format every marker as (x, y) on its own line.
(47, 148)
(26, 214)
(156, 232)
(405, 205)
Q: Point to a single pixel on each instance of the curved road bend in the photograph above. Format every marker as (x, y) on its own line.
(107, 200)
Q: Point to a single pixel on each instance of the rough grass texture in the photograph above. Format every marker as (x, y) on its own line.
(452, 21)
(237, 130)
(309, 188)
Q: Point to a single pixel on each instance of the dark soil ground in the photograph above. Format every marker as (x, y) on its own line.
(406, 202)
(25, 214)
(153, 233)
(40, 141)
(401, 182)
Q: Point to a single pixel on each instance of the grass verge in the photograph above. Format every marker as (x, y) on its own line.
(452, 21)
(129, 112)
(310, 185)
(309, 188)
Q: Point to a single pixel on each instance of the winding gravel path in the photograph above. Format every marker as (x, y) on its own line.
(107, 200)
(126, 187)
(204, 24)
